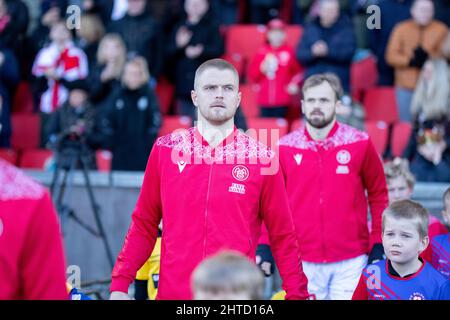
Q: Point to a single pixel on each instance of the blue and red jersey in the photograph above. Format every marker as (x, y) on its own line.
(378, 282)
(440, 251)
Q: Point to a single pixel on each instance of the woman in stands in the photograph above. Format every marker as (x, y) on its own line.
(104, 77)
(429, 147)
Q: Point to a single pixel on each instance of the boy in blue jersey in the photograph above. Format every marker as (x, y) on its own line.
(403, 275)
(440, 245)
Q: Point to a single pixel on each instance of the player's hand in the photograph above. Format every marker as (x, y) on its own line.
(118, 295)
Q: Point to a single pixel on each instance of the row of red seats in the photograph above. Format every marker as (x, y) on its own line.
(29, 156)
(42, 159)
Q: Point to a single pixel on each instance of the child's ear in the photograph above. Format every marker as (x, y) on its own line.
(424, 244)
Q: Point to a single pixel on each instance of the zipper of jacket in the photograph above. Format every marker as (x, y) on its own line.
(322, 232)
(206, 210)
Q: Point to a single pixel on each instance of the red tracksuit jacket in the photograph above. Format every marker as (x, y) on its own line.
(209, 199)
(326, 183)
(31, 253)
(273, 92)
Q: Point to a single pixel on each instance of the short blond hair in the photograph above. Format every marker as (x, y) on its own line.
(317, 79)
(217, 63)
(230, 272)
(399, 168)
(408, 210)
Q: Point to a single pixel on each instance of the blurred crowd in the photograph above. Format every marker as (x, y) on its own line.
(98, 81)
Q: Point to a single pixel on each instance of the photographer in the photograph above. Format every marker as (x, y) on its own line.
(71, 127)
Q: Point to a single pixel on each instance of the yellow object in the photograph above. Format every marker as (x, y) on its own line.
(150, 270)
(280, 295)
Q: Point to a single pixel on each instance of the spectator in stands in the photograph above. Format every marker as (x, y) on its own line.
(328, 43)
(60, 61)
(276, 70)
(89, 35)
(393, 12)
(195, 39)
(51, 13)
(13, 25)
(443, 11)
(73, 124)
(31, 247)
(107, 10)
(350, 112)
(134, 118)
(429, 146)
(303, 11)
(400, 182)
(227, 275)
(141, 34)
(105, 76)
(9, 78)
(261, 11)
(410, 45)
(226, 12)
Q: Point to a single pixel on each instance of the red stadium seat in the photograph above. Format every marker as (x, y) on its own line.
(26, 130)
(378, 133)
(249, 102)
(9, 155)
(380, 104)
(239, 64)
(400, 138)
(23, 99)
(363, 76)
(171, 123)
(267, 130)
(103, 160)
(165, 92)
(36, 159)
(296, 124)
(242, 41)
(293, 35)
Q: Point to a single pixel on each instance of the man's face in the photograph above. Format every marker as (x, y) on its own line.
(132, 76)
(196, 7)
(401, 240)
(216, 95)
(329, 13)
(423, 12)
(319, 105)
(398, 189)
(136, 7)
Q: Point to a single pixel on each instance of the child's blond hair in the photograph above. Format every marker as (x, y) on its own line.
(229, 272)
(399, 168)
(409, 210)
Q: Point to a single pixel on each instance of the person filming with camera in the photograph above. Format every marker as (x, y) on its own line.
(71, 127)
